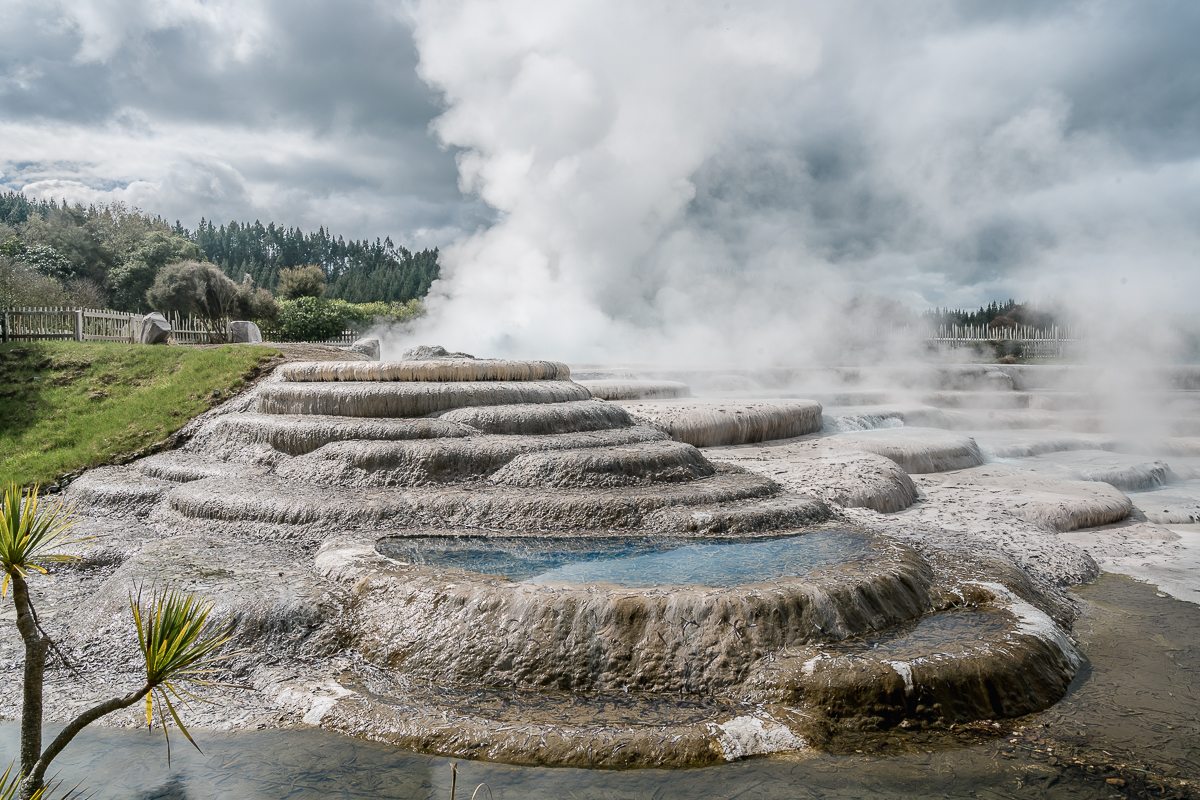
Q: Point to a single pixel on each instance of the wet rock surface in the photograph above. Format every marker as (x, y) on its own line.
(916, 450)
(707, 423)
(276, 506)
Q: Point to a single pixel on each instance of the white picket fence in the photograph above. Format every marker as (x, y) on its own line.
(94, 325)
(1027, 341)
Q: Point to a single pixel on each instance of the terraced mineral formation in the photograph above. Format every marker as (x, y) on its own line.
(502, 564)
(713, 423)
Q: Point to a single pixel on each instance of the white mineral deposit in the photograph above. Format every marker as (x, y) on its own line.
(470, 523)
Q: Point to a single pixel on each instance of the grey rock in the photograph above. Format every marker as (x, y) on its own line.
(425, 352)
(245, 332)
(368, 347)
(155, 329)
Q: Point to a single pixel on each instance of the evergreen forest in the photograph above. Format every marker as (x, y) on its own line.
(55, 253)
(993, 315)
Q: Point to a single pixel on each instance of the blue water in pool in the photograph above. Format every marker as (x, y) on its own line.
(633, 561)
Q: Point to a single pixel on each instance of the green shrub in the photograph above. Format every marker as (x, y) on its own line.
(316, 319)
(308, 281)
(129, 280)
(364, 315)
(194, 287)
(307, 319)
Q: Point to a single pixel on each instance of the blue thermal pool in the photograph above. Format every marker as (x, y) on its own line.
(633, 562)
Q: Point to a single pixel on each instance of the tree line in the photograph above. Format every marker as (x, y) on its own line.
(109, 256)
(1008, 314)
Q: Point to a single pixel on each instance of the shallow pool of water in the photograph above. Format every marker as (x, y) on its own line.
(946, 632)
(633, 561)
(1132, 716)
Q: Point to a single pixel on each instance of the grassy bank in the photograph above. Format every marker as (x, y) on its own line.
(65, 406)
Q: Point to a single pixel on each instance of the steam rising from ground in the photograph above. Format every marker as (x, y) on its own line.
(715, 180)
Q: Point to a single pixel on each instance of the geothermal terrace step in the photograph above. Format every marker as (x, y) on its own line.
(416, 399)
(706, 587)
(454, 370)
(710, 423)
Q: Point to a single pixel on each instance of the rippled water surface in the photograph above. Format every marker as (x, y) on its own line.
(1129, 727)
(633, 561)
(945, 632)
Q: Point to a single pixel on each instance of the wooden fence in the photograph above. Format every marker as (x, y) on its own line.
(1021, 340)
(77, 324)
(192, 330)
(93, 325)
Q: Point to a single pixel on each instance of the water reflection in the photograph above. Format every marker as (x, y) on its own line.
(947, 632)
(633, 561)
(1134, 719)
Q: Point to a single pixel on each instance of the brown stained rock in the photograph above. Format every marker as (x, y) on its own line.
(1128, 473)
(119, 490)
(1026, 443)
(272, 500)
(456, 628)
(273, 605)
(467, 664)
(228, 438)
(606, 467)
(845, 478)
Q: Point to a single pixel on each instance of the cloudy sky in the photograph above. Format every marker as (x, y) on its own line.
(606, 177)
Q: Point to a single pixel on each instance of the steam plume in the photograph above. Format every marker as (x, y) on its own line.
(715, 180)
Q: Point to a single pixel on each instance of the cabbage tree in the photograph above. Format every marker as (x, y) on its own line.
(176, 640)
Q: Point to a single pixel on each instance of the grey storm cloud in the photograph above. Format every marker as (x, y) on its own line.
(308, 114)
(616, 176)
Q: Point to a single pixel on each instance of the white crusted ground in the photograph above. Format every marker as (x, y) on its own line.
(1062, 530)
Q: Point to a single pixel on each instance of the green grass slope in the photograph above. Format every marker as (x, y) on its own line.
(65, 406)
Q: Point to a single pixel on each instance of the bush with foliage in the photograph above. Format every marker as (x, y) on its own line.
(306, 281)
(307, 319)
(129, 280)
(38, 257)
(193, 287)
(256, 304)
(367, 314)
(316, 319)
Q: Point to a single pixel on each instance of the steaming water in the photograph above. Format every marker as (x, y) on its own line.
(1140, 648)
(633, 561)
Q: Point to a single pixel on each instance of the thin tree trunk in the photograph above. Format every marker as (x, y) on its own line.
(36, 646)
(36, 776)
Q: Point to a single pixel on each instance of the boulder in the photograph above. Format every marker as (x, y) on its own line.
(244, 332)
(368, 347)
(427, 352)
(155, 329)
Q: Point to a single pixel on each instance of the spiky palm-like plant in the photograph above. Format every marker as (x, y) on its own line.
(10, 785)
(174, 634)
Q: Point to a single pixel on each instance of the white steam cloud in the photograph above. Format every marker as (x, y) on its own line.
(715, 180)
